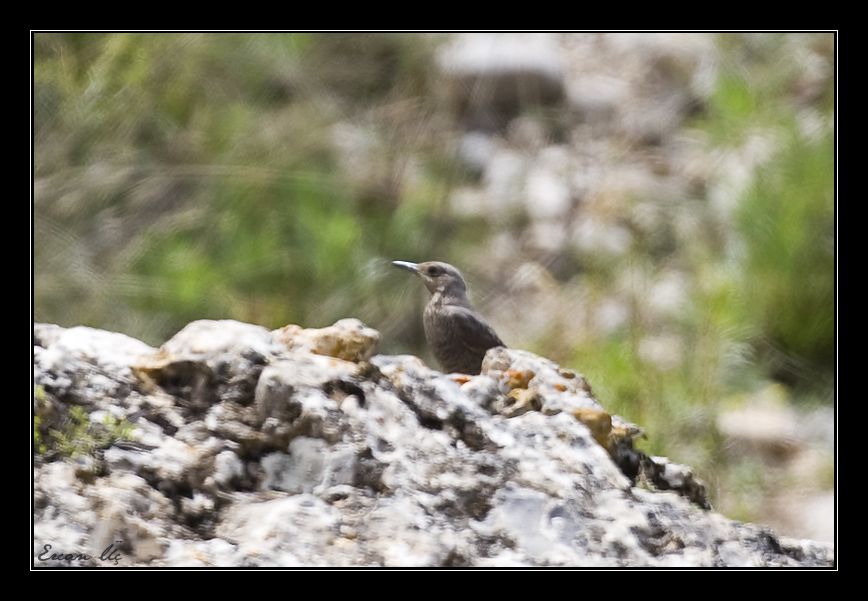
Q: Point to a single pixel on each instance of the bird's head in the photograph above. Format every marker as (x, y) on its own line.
(437, 276)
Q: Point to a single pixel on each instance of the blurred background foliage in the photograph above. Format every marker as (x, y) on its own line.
(653, 210)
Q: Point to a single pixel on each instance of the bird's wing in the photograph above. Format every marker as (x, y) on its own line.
(472, 331)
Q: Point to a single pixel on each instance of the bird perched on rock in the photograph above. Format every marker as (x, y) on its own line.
(456, 333)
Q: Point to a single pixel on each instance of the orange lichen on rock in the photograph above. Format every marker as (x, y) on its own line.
(598, 422)
(517, 378)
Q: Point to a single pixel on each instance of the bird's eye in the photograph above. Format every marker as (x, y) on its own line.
(432, 270)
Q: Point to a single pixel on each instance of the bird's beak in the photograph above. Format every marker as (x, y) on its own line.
(406, 265)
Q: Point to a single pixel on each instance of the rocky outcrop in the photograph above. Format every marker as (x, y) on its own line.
(235, 446)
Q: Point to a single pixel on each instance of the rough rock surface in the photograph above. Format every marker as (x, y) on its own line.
(257, 448)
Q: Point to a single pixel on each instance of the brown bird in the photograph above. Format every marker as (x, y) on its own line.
(457, 335)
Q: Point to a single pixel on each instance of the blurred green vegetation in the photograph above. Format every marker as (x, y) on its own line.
(786, 218)
(191, 176)
(787, 222)
(762, 303)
